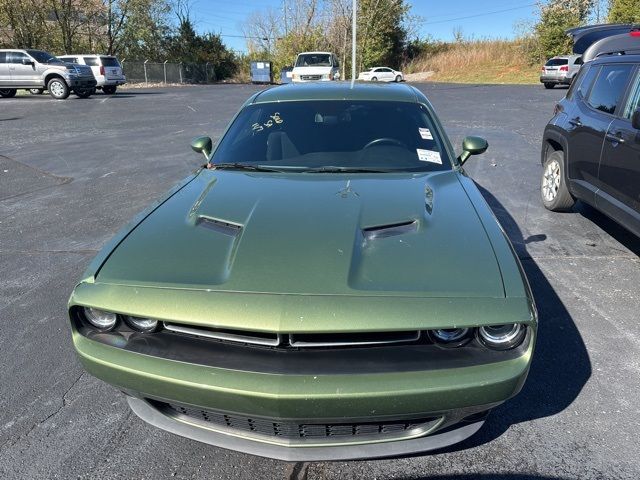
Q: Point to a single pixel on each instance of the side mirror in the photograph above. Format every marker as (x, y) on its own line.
(202, 145)
(635, 119)
(472, 146)
(27, 61)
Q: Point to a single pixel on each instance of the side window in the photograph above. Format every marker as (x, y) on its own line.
(3, 57)
(93, 62)
(578, 61)
(609, 87)
(16, 57)
(633, 103)
(586, 83)
(583, 82)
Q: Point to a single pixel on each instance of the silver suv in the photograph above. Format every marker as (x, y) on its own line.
(560, 70)
(106, 69)
(37, 70)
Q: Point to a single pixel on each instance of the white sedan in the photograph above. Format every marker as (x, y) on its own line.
(381, 74)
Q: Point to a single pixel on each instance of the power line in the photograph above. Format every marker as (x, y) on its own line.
(481, 14)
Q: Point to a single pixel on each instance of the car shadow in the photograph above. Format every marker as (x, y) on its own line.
(561, 364)
(615, 230)
(492, 476)
(128, 94)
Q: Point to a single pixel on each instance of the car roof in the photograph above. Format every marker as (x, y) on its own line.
(304, 53)
(340, 91)
(86, 55)
(633, 58)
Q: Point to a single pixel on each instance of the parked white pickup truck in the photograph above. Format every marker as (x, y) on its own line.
(316, 66)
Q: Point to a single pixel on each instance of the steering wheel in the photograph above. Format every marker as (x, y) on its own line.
(379, 141)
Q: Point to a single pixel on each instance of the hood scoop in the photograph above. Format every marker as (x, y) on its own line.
(392, 230)
(220, 226)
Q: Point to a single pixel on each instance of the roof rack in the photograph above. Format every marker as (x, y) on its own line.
(606, 39)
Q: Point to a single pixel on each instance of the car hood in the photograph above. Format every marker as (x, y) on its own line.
(414, 235)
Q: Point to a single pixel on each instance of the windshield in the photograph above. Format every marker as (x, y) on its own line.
(340, 134)
(314, 60)
(43, 57)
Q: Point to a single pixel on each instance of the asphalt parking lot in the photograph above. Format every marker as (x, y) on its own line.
(73, 172)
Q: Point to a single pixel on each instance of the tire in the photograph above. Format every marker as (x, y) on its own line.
(109, 89)
(8, 92)
(36, 91)
(549, 85)
(83, 92)
(374, 79)
(58, 88)
(553, 185)
(398, 79)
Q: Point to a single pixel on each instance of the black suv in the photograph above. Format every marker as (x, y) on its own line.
(591, 146)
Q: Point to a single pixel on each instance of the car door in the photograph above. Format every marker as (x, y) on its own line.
(619, 172)
(5, 76)
(22, 74)
(588, 124)
(388, 75)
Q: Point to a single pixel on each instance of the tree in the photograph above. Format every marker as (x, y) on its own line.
(556, 16)
(305, 25)
(24, 23)
(624, 11)
(186, 45)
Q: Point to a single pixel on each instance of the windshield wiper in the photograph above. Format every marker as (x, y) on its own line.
(334, 169)
(244, 166)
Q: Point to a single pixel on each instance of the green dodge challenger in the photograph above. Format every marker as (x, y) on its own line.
(330, 285)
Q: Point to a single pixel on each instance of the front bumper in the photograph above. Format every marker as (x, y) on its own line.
(147, 412)
(82, 82)
(446, 395)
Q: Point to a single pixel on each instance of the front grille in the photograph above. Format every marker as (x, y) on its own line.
(311, 77)
(297, 431)
(297, 340)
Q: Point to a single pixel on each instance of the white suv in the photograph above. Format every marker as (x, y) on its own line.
(316, 66)
(106, 69)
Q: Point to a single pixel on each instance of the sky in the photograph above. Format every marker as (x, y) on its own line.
(477, 19)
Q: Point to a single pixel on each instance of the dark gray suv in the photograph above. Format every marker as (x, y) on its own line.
(38, 70)
(591, 146)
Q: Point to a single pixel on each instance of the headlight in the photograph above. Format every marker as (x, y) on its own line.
(502, 337)
(450, 337)
(141, 324)
(99, 318)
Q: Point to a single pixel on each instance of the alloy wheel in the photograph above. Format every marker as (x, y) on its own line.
(551, 181)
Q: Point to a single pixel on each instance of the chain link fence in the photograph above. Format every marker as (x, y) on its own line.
(183, 72)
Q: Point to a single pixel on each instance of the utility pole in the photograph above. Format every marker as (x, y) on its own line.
(354, 14)
(284, 14)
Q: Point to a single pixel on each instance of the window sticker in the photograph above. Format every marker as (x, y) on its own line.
(274, 119)
(425, 133)
(429, 156)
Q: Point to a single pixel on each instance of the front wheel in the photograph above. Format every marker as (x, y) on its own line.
(58, 88)
(36, 91)
(8, 92)
(374, 79)
(553, 186)
(398, 79)
(109, 89)
(549, 85)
